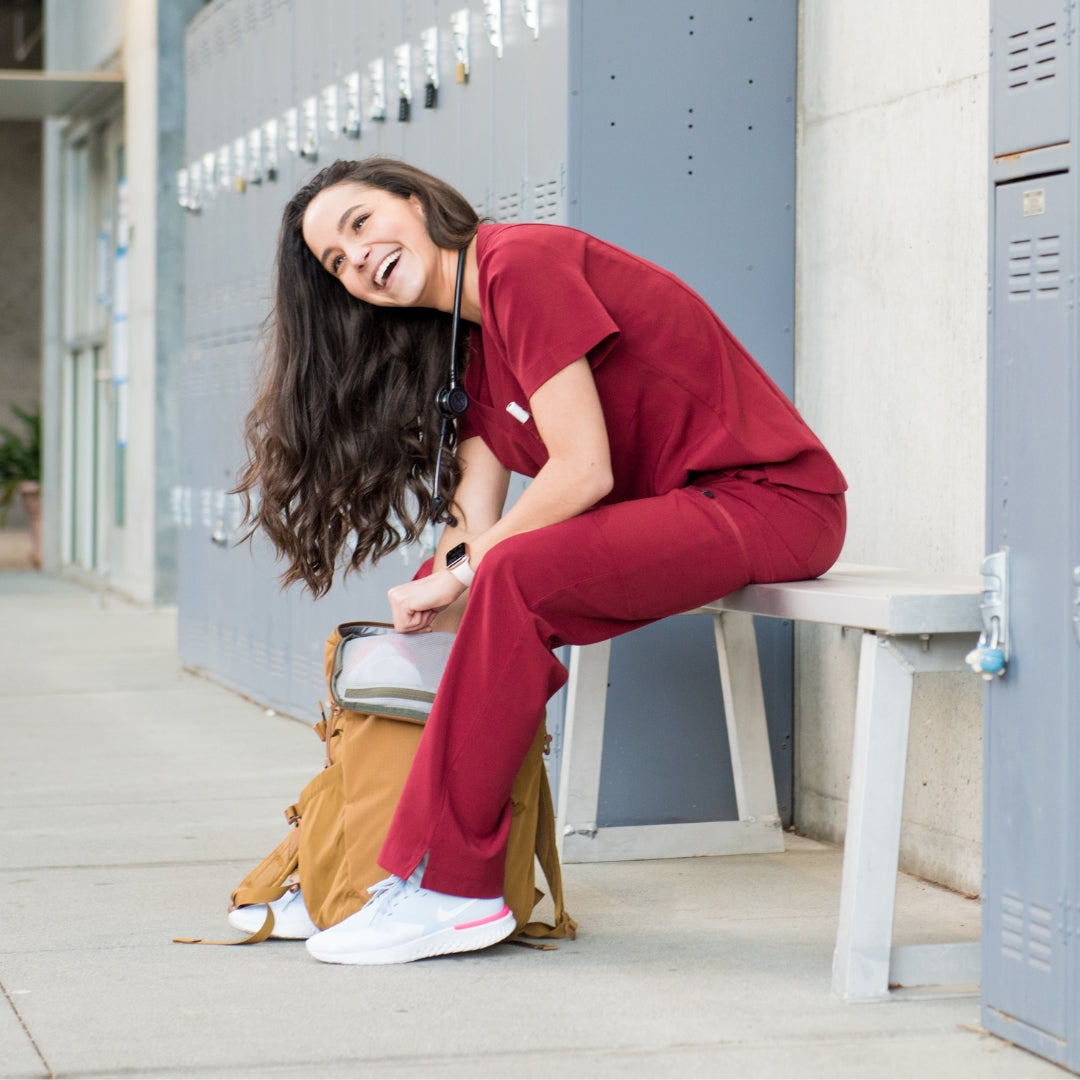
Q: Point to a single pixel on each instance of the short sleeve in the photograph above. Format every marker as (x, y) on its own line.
(538, 307)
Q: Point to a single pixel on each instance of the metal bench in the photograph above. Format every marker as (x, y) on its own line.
(910, 622)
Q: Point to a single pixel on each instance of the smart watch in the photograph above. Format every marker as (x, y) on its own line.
(457, 562)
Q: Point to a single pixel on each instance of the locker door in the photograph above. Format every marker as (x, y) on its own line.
(1032, 511)
(1031, 74)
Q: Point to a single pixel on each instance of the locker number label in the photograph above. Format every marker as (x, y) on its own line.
(1034, 202)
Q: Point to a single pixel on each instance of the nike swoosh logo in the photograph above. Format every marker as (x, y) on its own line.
(446, 914)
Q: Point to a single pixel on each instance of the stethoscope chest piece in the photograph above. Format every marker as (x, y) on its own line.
(452, 401)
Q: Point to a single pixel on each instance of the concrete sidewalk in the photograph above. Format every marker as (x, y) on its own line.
(135, 795)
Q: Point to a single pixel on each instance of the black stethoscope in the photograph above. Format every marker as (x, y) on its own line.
(451, 400)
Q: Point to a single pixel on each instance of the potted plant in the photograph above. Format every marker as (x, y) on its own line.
(20, 473)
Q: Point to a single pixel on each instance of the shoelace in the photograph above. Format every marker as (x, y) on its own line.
(386, 894)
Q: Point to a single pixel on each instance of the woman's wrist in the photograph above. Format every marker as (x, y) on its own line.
(458, 564)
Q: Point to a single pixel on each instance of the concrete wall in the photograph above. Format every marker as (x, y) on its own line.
(891, 371)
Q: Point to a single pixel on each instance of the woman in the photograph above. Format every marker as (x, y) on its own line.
(668, 470)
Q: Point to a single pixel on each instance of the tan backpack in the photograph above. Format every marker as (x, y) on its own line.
(342, 817)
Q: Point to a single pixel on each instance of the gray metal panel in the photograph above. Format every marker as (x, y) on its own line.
(697, 171)
(1031, 714)
(545, 167)
(1033, 76)
(650, 168)
(511, 112)
(477, 132)
(420, 131)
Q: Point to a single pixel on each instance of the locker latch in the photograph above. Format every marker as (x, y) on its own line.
(991, 654)
(1076, 603)
(429, 43)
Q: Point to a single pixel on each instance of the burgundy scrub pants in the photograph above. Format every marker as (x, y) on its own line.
(608, 571)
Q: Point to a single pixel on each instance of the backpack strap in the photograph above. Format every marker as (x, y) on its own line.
(261, 934)
(548, 853)
(268, 881)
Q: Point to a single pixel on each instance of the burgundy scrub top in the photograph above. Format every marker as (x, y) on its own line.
(681, 397)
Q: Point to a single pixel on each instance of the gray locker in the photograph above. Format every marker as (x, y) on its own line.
(649, 166)
(619, 117)
(1031, 914)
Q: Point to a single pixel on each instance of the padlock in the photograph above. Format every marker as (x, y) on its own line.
(431, 96)
(403, 109)
(987, 659)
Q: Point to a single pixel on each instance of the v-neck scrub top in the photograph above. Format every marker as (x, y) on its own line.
(681, 396)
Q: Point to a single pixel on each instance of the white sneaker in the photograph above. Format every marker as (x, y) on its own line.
(403, 922)
(291, 919)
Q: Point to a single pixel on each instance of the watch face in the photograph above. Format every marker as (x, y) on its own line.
(456, 555)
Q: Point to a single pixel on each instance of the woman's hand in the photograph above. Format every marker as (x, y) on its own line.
(415, 604)
(577, 474)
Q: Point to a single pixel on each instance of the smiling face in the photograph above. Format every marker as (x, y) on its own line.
(377, 245)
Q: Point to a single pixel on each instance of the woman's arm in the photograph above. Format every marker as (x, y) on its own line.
(426, 603)
(577, 474)
(479, 498)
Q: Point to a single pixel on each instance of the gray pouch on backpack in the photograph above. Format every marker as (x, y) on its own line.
(384, 673)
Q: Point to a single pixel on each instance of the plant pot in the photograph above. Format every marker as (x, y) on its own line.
(30, 497)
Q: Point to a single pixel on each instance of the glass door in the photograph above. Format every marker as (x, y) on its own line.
(88, 384)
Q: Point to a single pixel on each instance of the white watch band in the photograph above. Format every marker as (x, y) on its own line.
(463, 571)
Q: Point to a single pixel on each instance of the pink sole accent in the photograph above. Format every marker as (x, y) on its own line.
(480, 922)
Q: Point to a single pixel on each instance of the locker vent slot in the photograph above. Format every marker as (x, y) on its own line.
(219, 36)
(301, 669)
(1020, 270)
(276, 662)
(1027, 932)
(228, 647)
(1032, 56)
(546, 200)
(1048, 266)
(509, 207)
(1035, 268)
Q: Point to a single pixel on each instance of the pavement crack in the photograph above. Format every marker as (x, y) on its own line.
(33, 1042)
(157, 864)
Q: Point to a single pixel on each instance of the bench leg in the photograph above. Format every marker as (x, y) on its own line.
(758, 828)
(583, 741)
(875, 805)
(744, 712)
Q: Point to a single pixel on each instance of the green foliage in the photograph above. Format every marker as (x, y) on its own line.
(20, 454)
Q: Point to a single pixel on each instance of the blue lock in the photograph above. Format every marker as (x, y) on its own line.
(987, 658)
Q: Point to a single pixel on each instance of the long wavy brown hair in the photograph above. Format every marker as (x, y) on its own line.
(343, 436)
